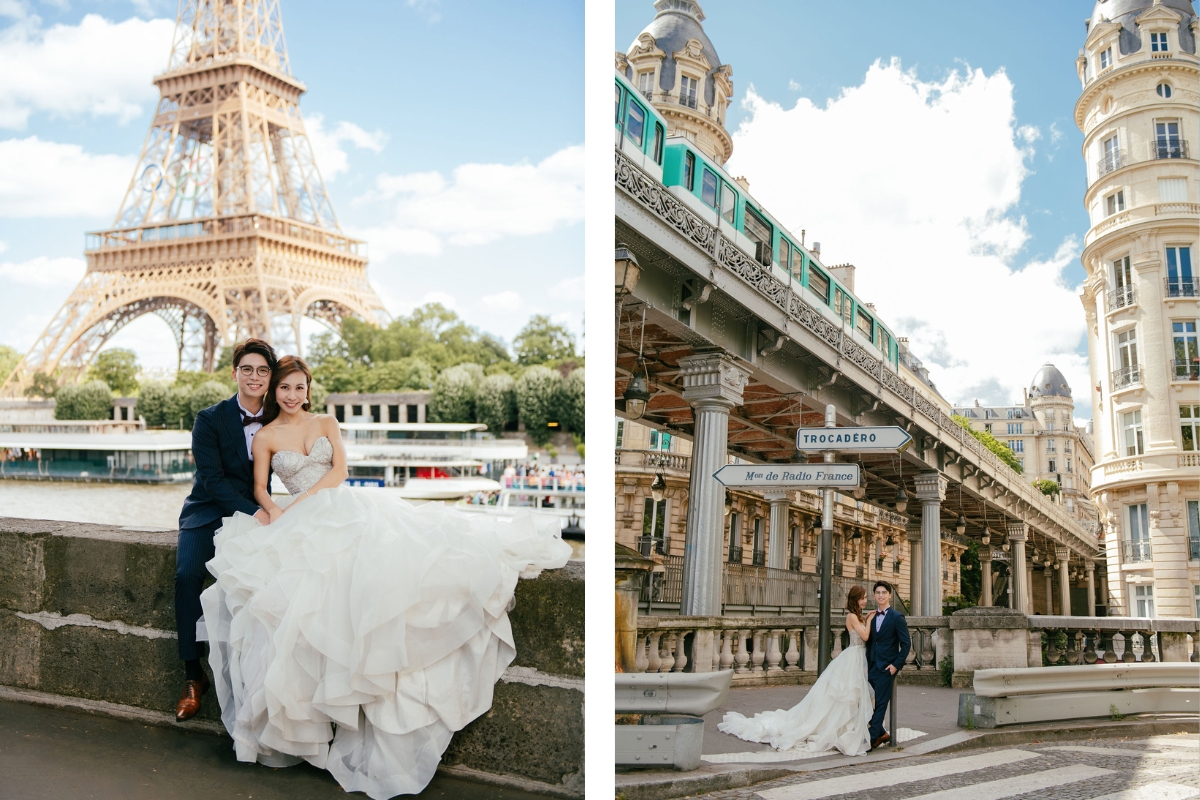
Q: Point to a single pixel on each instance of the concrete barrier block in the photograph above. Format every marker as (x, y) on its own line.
(20, 651)
(22, 570)
(547, 621)
(991, 712)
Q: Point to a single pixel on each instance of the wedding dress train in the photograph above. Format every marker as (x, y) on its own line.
(836, 712)
(358, 631)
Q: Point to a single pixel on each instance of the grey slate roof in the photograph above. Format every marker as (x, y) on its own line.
(1049, 382)
(676, 22)
(1126, 11)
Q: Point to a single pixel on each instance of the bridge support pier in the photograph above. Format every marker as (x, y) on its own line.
(1064, 582)
(1090, 567)
(713, 384)
(777, 548)
(1049, 591)
(985, 568)
(931, 491)
(1020, 571)
(913, 534)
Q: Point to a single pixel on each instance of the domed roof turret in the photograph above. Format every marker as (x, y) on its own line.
(1049, 382)
(1124, 12)
(676, 22)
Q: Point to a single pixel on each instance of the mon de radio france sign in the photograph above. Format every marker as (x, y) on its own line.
(887, 438)
(788, 476)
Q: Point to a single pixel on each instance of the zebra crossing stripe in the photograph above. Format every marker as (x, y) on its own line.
(1173, 741)
(812, 790)
(1174, 755)
(1010, 787)
(1159, 790)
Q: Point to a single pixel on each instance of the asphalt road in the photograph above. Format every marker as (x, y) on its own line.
(66, 755)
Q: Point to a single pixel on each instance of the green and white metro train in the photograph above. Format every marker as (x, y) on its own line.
(712, 194)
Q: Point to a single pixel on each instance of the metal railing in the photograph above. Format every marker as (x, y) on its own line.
(654, 544)
(1136, 552)
(735, 555)
(1126, 376)
(794, 563)
(1169, 148)
(759, 558)
(1193, 548)
(1182, 287)
(1111, 161)
(1186, 370)
(1120, 297)
(687, 100)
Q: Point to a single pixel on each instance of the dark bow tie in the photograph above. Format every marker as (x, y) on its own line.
(251, 420)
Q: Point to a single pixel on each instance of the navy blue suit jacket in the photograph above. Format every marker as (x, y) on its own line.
(224, 481)
(890, 644)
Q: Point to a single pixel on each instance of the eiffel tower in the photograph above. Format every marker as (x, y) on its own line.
(226, 230)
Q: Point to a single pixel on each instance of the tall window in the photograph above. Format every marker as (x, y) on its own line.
(1193, 520)
(1180, 281)
(687, 91)
(1122, 273)
(1166, 140)
(1016, 427)
(758, 541)
(1016, 445)
(1189, 427)
(1131, 426)
(708, 188)
(1139, 530)
(1115, 202)
(1106, 58)
(1050, 445)
(1187, 355)
(646, 83)
(1144, 597)
(1111, 155)
(1127, 361)
(635, 122)
(1069, 465)
(1158, 43)
(689, 170)
(654, 525)
(620, 433)
(728, 202)
(735, 537)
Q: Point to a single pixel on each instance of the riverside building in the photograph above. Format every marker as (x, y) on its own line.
(1139, 115)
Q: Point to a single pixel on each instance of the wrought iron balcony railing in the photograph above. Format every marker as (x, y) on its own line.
(1182, 287)
(1187, 370)
(1136, 552)
(1111, 161)
(1126, 376)
(1193, 548)
(759, 558)
(1169, 148)
(1120, 297)
(735, 555)
(654, 544)
(687, 100)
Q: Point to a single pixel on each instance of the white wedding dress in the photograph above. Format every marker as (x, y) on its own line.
(836, 712)
(358, 631)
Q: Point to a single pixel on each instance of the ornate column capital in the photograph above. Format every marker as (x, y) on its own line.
(1063, 553)
(913, 531)
(777, 496)
(985, 554)
(714, 377)
(1016, 531)
(1089, 565)
(931, 486)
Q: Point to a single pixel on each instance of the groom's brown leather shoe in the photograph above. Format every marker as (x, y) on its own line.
(881, 739)
(189, 701)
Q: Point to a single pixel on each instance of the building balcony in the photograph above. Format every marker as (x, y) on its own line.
(648, 545)
(735, 555)
(1169, 148)
(759, 558)
(1120, 297)
(794, 563)
(687, 100)
(653, 460)
(1194, 548)
(1186, 370)
(1111, 161)
(1182, 287)
(1125, 377)
(1135, 552)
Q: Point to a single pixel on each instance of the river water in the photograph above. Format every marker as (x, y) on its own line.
(131, 505)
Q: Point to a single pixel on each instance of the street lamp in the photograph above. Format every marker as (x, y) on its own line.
(901, 500)
(960, 525)
(659, 487)
(627, 270)
(987, 536)
(636, 394)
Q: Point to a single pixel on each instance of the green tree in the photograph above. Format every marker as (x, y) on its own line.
(118, 368)
(496, 402)
(1047, 487)
(153, 404)
(178, 408)
(991, 443)
(203, 396)
(316, 396)
(194, 380)
(542, 340)
(41, 386)
(91, 400)
(8, 361)
(538, 392)
(403, 373)
(571, 402)
(453, 396)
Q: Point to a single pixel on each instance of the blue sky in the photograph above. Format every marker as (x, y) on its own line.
(981, 97)
(466, 186)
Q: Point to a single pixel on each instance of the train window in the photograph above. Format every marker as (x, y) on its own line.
(818, 284)
(708, 188)
(635, 123)
(865, 325)
(843, 306)
(689, 171)
(728, 202)
(659, 136)
(785, 253)
(797, 262)
(758, 230)
(618, 88)
(885, 342)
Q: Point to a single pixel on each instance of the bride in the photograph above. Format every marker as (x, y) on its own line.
(836, 712)
(356, 631)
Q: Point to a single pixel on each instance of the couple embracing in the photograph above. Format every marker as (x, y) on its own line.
(345, 627)
(844, 709)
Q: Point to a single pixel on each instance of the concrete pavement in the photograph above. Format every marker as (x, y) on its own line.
(59, 753)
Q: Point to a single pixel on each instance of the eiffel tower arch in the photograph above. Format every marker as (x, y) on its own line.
(226, 230)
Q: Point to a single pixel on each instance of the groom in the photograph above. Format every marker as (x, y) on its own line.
(224, 484)
(887, 647)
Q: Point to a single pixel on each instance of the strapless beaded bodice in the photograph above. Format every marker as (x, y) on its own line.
(300, 472)
(855, 641)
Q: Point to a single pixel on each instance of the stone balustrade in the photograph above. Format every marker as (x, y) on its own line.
(1108, 640)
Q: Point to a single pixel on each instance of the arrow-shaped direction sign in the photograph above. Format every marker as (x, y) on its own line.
(786, 476)
(883, 439)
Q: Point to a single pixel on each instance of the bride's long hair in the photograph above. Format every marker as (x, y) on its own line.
(855, 594)
(286, 366)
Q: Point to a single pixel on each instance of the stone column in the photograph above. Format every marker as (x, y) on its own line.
(1020, 577)
(777, 552)
(631, 566)
(1029, 586)
(713, 384)
(1064, 578)
(931, 491)
(913, 534)
(1090, 567)
(985, 568)
(1049, 591)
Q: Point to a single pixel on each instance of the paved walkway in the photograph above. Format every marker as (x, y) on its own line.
(54, 753)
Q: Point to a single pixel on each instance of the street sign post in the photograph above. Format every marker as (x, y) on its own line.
(883, 439)
(789, 476)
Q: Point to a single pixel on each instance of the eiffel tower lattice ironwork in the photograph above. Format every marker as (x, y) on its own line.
(226, 230)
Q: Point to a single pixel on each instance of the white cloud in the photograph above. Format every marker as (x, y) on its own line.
(477, 204)
(3, 246)
(96, 68)
(44, 272)
(332, 159)
(568, 288)
(795, 87)
(927, 214)
(504, 301)
(1055, 133)
(49, 179)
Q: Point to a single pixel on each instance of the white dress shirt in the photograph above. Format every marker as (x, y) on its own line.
(251, 429)
(879, 619)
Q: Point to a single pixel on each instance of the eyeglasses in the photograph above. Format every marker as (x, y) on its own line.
(262, 372)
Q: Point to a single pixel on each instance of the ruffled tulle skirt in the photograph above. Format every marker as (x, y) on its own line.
(358, 632)
(835, 714)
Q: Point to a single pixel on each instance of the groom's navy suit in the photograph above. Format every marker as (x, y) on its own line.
(888, 645)
(224, 484)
